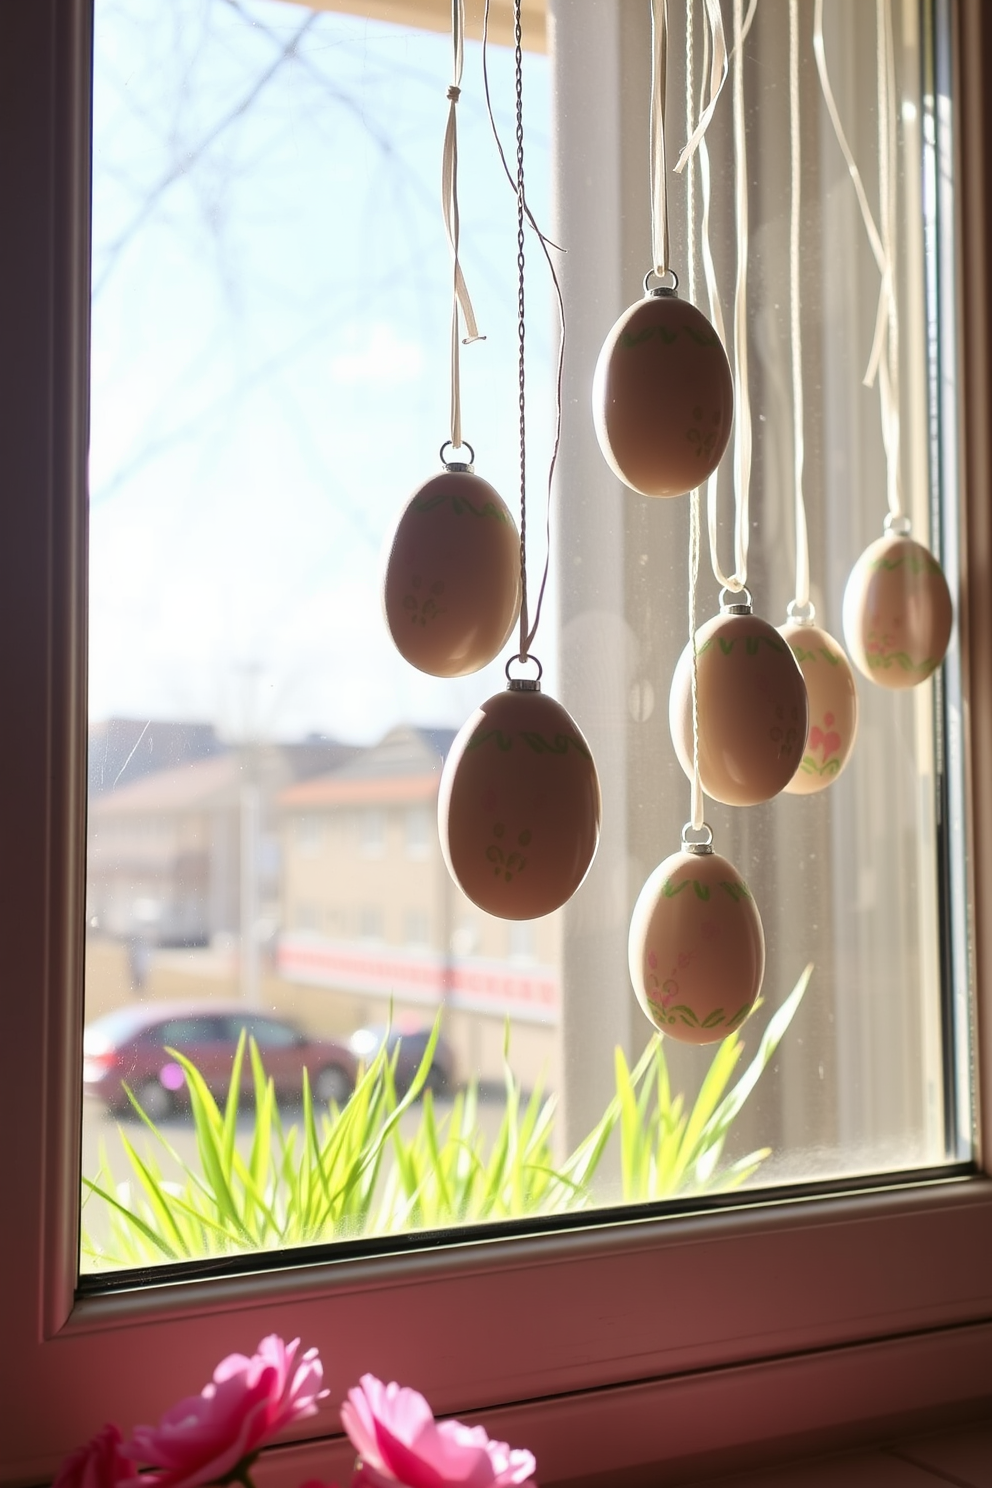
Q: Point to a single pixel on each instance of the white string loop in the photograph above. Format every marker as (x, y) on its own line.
(802, 535)
(461, 303)
(659, 168)
(883, 360)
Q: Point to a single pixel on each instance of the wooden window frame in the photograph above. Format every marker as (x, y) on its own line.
(693, 1340)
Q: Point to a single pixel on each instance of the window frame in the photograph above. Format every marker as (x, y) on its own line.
(699, 1338)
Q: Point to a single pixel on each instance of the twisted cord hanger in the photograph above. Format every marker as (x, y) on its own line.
(518, 185)
(518, 78)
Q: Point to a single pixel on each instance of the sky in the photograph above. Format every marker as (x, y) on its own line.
(271, 310)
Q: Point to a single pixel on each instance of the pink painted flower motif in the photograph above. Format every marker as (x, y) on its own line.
(828, 741)
(99, 1464)
(215, 1436)
(400, 1445)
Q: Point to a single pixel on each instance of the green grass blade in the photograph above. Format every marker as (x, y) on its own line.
(132, 1219)
(231, 1105)
(209, 1140)
(772, 1037)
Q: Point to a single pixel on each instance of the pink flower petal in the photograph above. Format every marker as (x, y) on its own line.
(98, 1464)
(204, 1438)
(400, 1443)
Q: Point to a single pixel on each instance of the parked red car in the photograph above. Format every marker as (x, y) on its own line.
(128, 1047)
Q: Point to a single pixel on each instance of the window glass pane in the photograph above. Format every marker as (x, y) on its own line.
(271, 313)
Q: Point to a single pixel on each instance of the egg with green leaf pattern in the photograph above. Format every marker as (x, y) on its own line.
(519, 805)
(452, 586)
(696, 949)
(663, 396)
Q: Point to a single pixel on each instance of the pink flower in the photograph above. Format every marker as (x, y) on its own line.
(100, 1464)
(399, 1443)
(205, 1437)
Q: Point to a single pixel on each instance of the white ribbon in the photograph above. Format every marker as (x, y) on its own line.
(716, 45)
(883, 361)
(461, 303)
(716, 63)
(659, 183)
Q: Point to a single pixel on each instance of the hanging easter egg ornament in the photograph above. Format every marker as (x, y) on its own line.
(833, 705)
(748, 734)
(897, 606)
(452, 588)
(519, 805)
(663, 393)
(753, 708)
(663, 396)
(830, 689)
(451, 592)
(696, 949)
(897, 610)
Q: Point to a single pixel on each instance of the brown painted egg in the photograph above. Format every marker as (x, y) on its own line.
(833, 706)
(663, 397)
(897, 612)
(452, 587)
(752, 709)
(696, 949)
(519, 805)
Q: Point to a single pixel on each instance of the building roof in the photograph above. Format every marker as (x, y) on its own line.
(404, 766)
(215, 783)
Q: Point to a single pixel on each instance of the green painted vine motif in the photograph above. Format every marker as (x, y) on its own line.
(668, 336)
(507, 863)
(483, 736)
(737, 891)
(559, 744)
(881, 655)
(802, 655)
(680, 1012)
(424, 608)
(461, 504)
(752, 644)
(881, 660)
(662, 994)
(823, 772)
(916, 560)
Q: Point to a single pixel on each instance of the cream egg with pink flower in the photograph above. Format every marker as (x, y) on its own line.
(696, 949)
(833, 705)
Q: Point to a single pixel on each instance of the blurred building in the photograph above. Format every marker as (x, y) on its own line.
(369, 908)
(166, 851)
